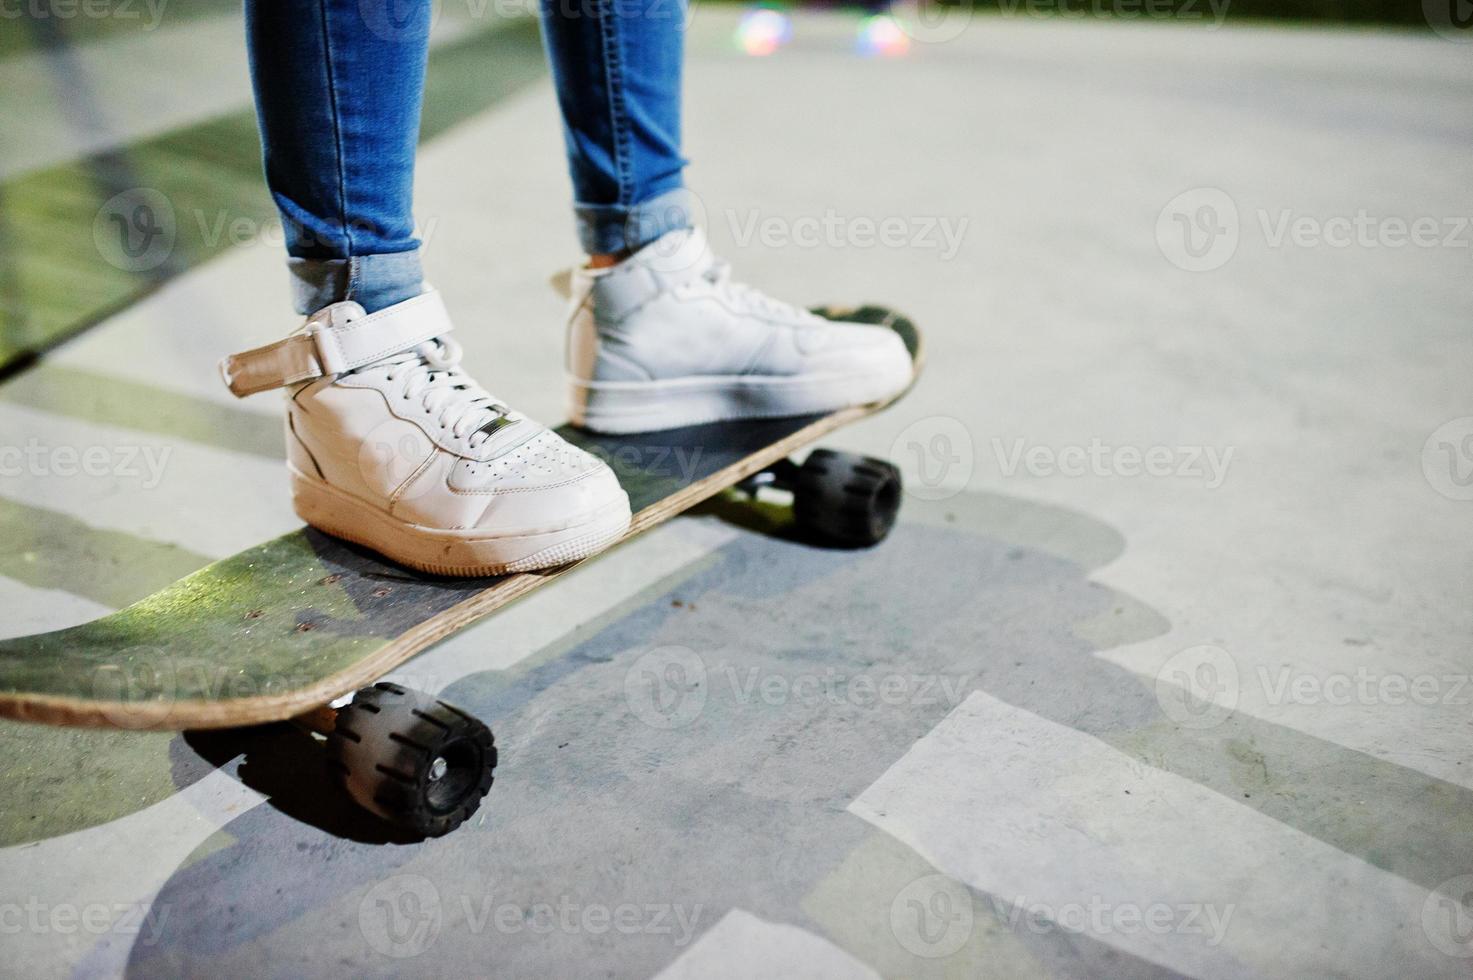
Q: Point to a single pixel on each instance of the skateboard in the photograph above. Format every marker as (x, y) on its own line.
(289, 629)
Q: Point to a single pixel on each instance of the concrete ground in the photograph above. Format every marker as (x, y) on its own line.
(1164, 673)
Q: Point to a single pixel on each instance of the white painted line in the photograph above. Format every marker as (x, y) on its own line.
(1055, 825)
(742, 946)
(102, 881)
(210, 501)
(31, 610)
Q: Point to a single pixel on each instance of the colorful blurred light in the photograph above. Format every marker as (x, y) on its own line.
(762, 31)
(881, 36)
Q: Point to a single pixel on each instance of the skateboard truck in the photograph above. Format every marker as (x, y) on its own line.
(838, 498)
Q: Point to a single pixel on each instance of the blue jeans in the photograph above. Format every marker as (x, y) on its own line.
(338, 87)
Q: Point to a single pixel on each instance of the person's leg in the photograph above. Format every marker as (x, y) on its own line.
(338, 86)
(617, 67)
(388, 442)
(660, 335)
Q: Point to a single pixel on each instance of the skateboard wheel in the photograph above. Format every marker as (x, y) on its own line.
(413, 760)
(846, 499)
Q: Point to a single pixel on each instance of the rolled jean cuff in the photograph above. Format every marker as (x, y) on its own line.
(607, 229)
(371, 281)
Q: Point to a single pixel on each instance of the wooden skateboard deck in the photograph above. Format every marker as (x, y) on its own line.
(293, 624)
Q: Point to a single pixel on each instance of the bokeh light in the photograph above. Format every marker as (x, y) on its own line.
(763, 30)
(881, 36)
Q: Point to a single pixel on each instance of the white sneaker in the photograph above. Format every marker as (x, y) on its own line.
(391, 445)
(666, 339)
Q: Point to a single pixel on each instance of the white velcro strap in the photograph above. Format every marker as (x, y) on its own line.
(329, 348)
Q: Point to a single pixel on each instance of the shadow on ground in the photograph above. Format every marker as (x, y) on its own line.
(724, 784)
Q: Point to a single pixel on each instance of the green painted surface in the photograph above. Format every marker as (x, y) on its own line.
(68, 26)
(63, 262)
(110, 400)
(75, 778)
(46, 549)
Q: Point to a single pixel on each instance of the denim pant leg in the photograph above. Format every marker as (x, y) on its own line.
(338, 86)
(617, 68)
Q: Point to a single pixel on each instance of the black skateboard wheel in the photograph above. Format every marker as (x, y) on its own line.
(846, 499)
(412, 759)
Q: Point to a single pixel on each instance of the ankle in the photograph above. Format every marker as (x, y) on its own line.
(607, 260)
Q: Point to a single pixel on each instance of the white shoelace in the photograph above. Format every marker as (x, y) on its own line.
(749, 298)
(430, 374)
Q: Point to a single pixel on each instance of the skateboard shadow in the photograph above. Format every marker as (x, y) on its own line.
(614, 795)
(287, 766)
